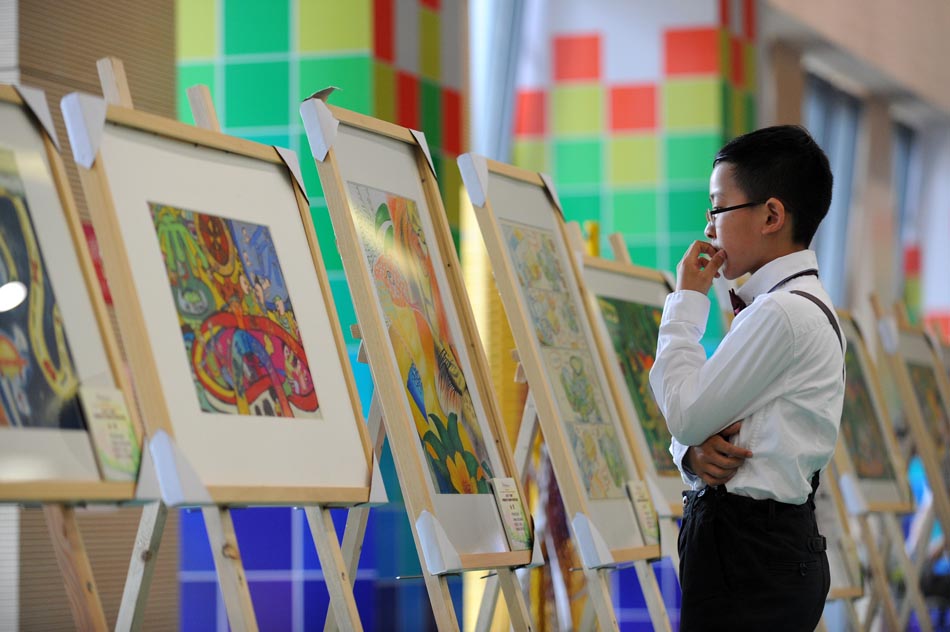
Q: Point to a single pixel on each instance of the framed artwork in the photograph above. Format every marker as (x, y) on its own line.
(541, 290)
(428, 367)
(627, 302)
(216, 276)
(56, 343)
(867, 446)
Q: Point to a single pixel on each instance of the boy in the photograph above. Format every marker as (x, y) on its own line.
(754, 424)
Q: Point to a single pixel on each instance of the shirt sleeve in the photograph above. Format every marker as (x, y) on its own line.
(678, 450)
(700, 397)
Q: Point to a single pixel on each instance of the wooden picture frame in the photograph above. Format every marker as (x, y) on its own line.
(428, 366)
(542, 291)
(174, 205)
(617, 293)
(59, 339)
(868, 448)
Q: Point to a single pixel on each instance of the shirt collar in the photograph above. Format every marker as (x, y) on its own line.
(774, 272)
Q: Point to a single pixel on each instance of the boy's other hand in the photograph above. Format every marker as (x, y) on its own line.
(699, 266)
(716, 460)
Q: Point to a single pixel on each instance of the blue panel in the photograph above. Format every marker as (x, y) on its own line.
(273, 604)
(194, 551)
(363, 377)
(365, 594)
(317, 601)
(263, 535)
(198, 606)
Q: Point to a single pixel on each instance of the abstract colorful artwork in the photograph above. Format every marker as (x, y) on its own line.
(859, 424)
(237, 320)
(567, 359)
(924, 379)
(38, 383)
(634, 329)
(398, 256)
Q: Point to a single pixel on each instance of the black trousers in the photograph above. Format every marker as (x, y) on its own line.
(750, 564)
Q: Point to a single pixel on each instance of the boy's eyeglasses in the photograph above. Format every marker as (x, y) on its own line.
(716, 210)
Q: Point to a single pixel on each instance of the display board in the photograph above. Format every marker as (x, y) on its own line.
(216, 276)
(628, 301)
(428, 366)
(541, 290)
(868, 447)
(57, 348)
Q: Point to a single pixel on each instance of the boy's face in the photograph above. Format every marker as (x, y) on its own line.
(737, 232)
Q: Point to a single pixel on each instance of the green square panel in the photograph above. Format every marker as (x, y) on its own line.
(578, 109)
(345, 312)
(634, 212)
(252, 26)
(693, 104)
(580, 208)
(577, 162)
(308, 168)
(431, 113)
(326, 237)
(643, 255)
(280, 140)
(689, 158)
(331, 25)
(674, 252)
(195, 32)
(353, 74)
(257, 94)
(530, 154)
(191, 75)
(687, 211)
(633, 160)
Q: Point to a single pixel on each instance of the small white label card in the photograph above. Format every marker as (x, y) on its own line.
(646, 514)
(112, 433)
(513, 516)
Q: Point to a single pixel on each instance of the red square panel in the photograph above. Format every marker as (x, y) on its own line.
(737, 62)
(384, 30)
(725, 16)
(576, 57)
(912, 260)
(432, 4)
(452, 122)
(633, 107)
(748, 19)
(529, 113)
(691, 51)
(407, 100)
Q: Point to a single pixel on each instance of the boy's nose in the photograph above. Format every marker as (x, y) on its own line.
(710, 231)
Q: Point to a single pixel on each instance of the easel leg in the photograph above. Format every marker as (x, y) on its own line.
(338, 579)
(142, 566)
(74, 565)
(913, 599)
(652, 596)
(486, 610)
(881, 588)
(227, 561)
(598, 595)
(514, 598)
(669, 535)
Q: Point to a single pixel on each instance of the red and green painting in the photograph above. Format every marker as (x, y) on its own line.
(237, 320)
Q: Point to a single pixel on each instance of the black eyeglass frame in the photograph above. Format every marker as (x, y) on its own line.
(716, 210)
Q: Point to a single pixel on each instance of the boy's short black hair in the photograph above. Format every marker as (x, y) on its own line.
(783, 162)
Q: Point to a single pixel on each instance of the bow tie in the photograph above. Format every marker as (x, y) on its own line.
(737, 303)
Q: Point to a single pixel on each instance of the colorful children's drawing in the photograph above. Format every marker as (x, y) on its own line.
(38, 383)
(237, 320)
(924, 380)
(859, 424)
(634, 329)
(397, 253)
(567, 359)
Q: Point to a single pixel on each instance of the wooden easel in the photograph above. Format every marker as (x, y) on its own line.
(599, 607)
(218, 520)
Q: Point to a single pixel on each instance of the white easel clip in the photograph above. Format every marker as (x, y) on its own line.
(549, 185)
(424, 145)
(474, 170)
(35, 100)
(85, 117)
(889, 333)
(289, 157)
(591, 544)
(440, 555)
(854, 500)
(321, 127)
(167, 475)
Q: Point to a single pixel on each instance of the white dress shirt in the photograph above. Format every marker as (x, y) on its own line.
(779, 369)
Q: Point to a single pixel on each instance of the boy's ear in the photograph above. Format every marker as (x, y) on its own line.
(776, 218)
